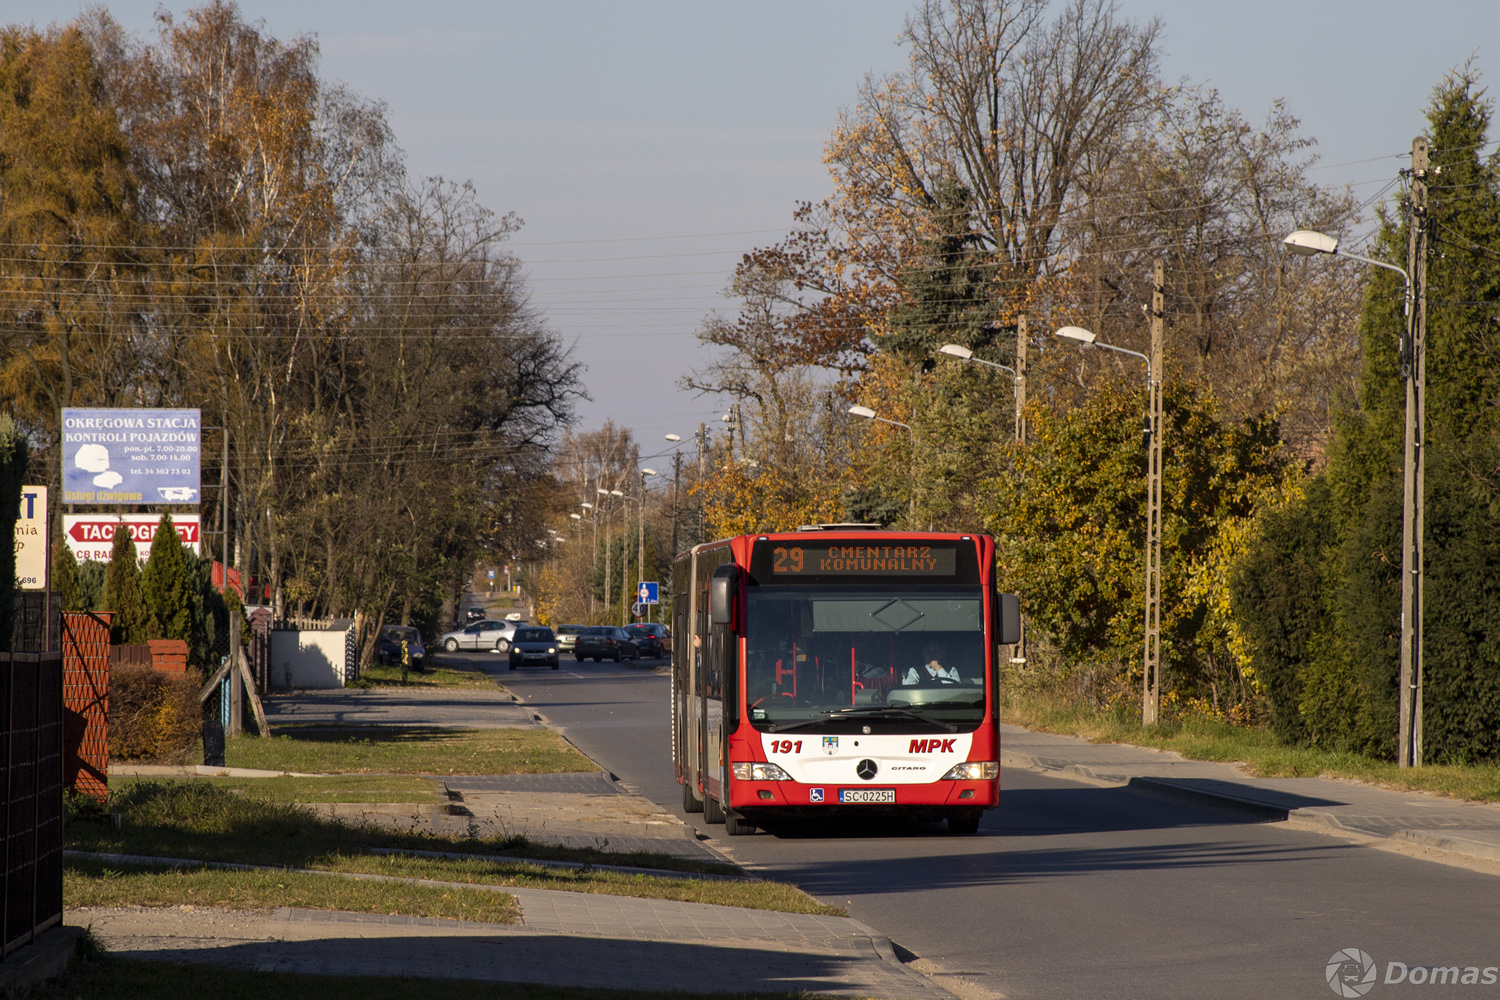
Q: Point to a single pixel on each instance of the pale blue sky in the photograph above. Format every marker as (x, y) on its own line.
(682, 133)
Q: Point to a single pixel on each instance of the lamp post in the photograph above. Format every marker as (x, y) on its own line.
(624, 553)
(1307, 243)
(1018, 381)
(1153, 430)
(1018, 386)
(605, 494)
(868, 414)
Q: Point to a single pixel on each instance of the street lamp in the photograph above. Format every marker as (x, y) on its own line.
(869, 414)
(676, 490)
(1151, 656)
(1018, 381)
(1308, 243)
(607, 547)
(624, 552)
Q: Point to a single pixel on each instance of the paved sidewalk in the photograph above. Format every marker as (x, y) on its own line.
(1469, 829)
(448, 708)
(564, 939)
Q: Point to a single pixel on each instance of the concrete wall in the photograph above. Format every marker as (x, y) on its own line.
(309, 658)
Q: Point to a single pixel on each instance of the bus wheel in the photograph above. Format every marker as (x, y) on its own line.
(963, 823)
(713, 812)
(690, 802)
(736, 825)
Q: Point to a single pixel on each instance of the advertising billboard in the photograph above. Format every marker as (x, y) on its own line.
(31, 539)
(130, 456)
(91, 536)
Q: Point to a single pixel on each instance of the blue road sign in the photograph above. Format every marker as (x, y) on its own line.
(646, 592)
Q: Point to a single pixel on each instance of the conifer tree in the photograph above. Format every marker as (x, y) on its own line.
(65, 578)
(167, 585)
(122, 591)
(1332, 653)
(949, 289)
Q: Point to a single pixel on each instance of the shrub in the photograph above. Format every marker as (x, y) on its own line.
(152, 715)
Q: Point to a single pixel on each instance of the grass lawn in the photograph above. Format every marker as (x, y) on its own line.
(102, 977)
(450, 674)
(330, 749)
(204, 821)
(339, 788)
(95, 883)
(1204, 739)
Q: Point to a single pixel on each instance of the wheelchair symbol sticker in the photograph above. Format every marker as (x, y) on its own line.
(815, 795)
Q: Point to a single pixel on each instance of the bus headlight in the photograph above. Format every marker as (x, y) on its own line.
(974, 770)
(747, 771)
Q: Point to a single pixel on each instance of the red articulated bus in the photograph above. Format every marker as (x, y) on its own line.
(839, 667)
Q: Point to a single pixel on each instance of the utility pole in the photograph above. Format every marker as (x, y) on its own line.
(224, 512)
(676, 493)
(702, 458)
(1414, 501)
(1155, 429)
(607, 548)
(1022, 334)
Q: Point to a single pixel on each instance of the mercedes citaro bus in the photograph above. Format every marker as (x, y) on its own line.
(839, 668)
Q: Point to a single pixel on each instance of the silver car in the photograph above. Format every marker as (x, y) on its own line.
(567, 635)
(492, 634)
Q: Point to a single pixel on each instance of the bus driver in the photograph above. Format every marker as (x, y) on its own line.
(932, 670)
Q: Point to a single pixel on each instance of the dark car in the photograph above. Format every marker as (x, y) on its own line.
(533, 644)
(389, 650)
(566, 634)
(605, 642)
(474, 615)
(651, 638)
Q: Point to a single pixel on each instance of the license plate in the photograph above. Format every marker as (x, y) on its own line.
(867, 795)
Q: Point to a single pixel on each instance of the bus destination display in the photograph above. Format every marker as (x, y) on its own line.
(862, 560)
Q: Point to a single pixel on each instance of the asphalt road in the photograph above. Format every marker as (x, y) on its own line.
(1070, 890)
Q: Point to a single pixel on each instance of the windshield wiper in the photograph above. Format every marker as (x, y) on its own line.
(883, 710)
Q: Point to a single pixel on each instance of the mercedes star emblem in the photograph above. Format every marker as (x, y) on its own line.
(866, 769)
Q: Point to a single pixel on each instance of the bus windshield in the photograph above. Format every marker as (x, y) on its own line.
(843, 658)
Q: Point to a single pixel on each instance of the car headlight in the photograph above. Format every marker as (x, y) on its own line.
(974, 770)
(551, 649)
(747, 771)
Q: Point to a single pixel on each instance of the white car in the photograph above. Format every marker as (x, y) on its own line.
(492, 634)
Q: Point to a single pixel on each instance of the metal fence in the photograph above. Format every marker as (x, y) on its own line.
(31, 767)
(38, 621)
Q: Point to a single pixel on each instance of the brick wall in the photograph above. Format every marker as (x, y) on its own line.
(169, 655)
(86, 654)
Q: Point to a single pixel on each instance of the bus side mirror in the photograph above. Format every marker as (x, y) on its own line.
(722, 587)
(1008, 626)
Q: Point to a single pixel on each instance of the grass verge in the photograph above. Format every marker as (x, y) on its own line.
(100, 976)
(1265, 756)
(201, 821)
(94, 883)
(332, 749)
